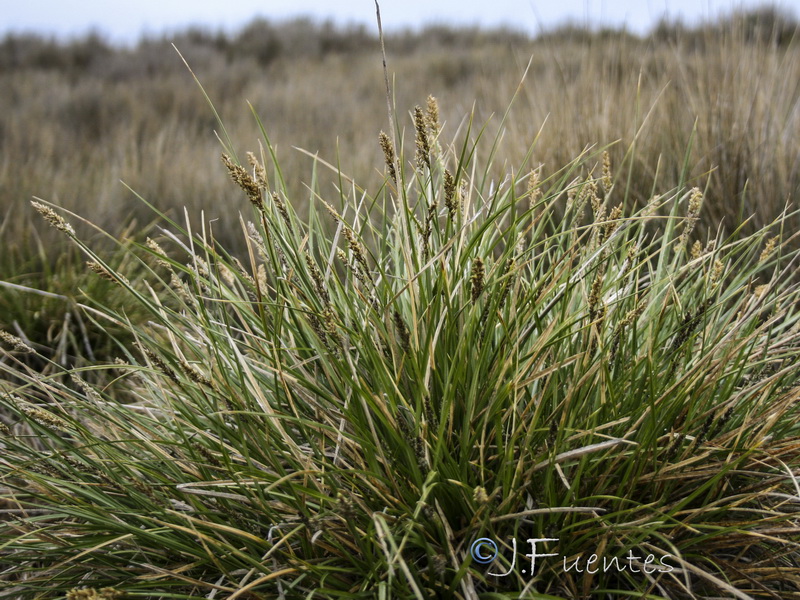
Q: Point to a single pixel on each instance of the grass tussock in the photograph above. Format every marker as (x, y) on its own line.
(393, 373)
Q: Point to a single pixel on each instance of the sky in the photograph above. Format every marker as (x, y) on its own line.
(125, 21)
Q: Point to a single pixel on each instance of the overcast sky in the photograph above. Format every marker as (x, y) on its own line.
(125, 21)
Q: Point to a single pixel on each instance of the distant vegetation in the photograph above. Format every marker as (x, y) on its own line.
(266, 41)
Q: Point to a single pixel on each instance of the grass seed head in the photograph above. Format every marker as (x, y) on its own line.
(587, 193)
(243, 272)
(53, 218)
(345, 507)
(594, 199)
(572, 192)
(697, 249)
(388, 154)
(226, 274)
(612, 222)
(723, 420)
(337, 218)
(430, 415)
(357, 249)
(260, 174)
(607, 178)
(194, 373)
(534, 191)
(450, 194)
(633, 314)
(16, 343)
(244, 180)
(423, 143)
(44, 418)
(716, 272)
(595, 297)
(159, 252)
(769, 248)
(200, 267)
(692, 216)
(104, 273)
(106, 593)
(510, 274)
(317, 327)
(180, 288)
(432, 115)
(88, 390)
(357, 272)
(84, 468)
(402, 331)
(651, 208)
(319, 283)
(261, 278)
(330, 325)
(207, 455)
(255, 236)
(281, 207)
(439, 565)
(695, 203)
(690, 322)
(633, 252)
(158, 362)
(476, 278)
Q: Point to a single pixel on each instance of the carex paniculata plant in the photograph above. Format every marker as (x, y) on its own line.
(343, 410)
